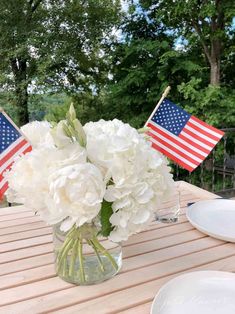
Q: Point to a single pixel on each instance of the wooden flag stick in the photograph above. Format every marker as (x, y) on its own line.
(166, 92)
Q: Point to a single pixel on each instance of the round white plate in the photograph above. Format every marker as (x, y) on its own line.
(202, 292)
(214, 217)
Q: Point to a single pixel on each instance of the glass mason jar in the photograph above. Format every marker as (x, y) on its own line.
(83, 258)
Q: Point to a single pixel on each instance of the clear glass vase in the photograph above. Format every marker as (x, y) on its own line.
(83, 258)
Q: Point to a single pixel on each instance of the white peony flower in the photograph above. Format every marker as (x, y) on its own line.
(38, 133)
(28, 178)
(75, 196)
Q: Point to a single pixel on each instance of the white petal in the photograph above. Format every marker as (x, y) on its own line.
(141, 217)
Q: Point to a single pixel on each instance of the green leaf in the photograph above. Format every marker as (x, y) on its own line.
(105, 213)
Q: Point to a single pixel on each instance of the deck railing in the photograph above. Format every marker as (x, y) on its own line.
(217, 172)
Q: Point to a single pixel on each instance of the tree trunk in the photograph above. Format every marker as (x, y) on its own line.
(22, 104)
(213, 49)
(19, 69)
(215, 73)
(217, 27)
(215, 57)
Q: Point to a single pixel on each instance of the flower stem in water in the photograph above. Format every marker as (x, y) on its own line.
(64, 253)
(80, 257)
(97, 254)
(73, 258)
(105, 252)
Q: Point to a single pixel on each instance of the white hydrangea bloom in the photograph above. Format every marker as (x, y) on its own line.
(107, 140)
(140, 178)
(75, 196)
(134, 206)
(38, 133)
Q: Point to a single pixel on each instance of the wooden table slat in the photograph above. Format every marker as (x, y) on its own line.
(22, 228)
(66, 298)
(28, 234)
(46, 271)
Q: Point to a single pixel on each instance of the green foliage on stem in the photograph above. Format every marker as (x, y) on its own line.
(105, 214)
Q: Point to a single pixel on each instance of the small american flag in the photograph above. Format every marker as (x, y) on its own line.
(12, 144)
(181, 136)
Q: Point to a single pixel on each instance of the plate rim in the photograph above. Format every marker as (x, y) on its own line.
(188, 274)
(204, 230)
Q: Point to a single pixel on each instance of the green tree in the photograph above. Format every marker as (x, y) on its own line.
(52, 45)
(158, 50)
(19, 24)
(208, 22)
(143, 65)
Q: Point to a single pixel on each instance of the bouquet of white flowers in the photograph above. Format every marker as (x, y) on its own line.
(103, 179)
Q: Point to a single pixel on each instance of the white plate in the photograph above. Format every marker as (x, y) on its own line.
(214, 217)
(202, 292)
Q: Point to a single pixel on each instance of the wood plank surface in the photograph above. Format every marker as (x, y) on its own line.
(28, 283)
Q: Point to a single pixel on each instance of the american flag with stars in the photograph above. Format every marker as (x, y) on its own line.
(180, 136)
(12, 144)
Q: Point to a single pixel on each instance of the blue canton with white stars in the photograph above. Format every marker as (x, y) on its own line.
(171, 117)
(8, 133)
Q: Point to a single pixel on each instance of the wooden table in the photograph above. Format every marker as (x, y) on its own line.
(28, 283)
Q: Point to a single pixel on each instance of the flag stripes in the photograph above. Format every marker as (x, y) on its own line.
(12, 145)
(4, 188)
(192, 127)
(14, 149)
(178, 159)
(191, 130)
(202, 139)
(206, 127)
(158, 131)
(173, 148)
(25, 149)
(191, 139)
